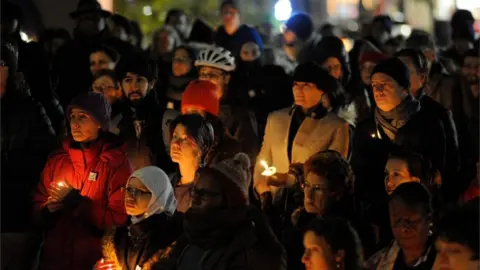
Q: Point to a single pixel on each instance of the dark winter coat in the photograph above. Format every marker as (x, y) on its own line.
(97, 174)
(26, 141)
(72, 61)
(234, 42)
(451, 183)
(141, 244)
(254, 247)
(147, 147)
(241, 125)
(422, 133)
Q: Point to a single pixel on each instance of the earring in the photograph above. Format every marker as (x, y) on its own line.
(430, 229)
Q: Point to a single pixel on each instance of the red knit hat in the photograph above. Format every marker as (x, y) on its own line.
(201, 94)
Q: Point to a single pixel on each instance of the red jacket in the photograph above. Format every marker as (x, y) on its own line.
(73, 234)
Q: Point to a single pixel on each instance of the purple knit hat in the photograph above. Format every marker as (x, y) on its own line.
(96, 105)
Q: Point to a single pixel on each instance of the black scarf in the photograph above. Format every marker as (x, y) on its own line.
(215, 228)
(393, 120)
(177, 85)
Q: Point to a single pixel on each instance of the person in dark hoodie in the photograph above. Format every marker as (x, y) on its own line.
(32, 64)
(150, 203)
(463, 36)
(221, 230)
(183, 72)
(417, 64)
(381, 29)
(141, 124)
(398, 122)
(27, 138)
(232, 34)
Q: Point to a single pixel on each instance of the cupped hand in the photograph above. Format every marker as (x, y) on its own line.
(104, 265)
(59, 190)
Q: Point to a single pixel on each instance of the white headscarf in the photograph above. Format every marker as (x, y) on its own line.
(163, 194)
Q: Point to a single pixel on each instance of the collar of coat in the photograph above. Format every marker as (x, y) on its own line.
(316, 112)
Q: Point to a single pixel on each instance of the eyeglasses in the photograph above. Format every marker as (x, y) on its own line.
(180, 60)
(135, 192)
(381, 86)
(210, 76)
(203, 194)
(103, 88)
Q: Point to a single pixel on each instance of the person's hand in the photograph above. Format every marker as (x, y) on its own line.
(281, 180)
(53, 205)
(104, 265)
(59, 190)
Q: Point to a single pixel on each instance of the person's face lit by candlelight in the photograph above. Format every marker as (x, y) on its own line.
(83, 127)
(137, 197)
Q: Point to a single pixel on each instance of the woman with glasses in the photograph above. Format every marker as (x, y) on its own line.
(151, 206)
(221, 231)
(327, 187)
(191, 140)
(411, 217)
(183, 72)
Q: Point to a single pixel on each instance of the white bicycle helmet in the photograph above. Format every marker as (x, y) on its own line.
(216, 57)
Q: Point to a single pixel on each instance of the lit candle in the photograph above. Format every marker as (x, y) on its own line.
(61, 184)
(373, 135)
(269, 171)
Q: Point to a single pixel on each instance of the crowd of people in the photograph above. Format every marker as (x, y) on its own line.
(229, 149)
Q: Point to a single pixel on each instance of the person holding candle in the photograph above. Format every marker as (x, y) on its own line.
(292, 135)
(151, 206)
(80, 194)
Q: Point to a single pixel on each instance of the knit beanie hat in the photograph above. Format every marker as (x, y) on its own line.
(96, 105)
(301, 24)
(370, 53)
(201, 94)
(312, 73)
(136, 63)
(396, 69)
(385, 20)
(462, 25)
(237, 172)
(420, 40)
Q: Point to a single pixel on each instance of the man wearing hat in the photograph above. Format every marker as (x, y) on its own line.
(292, 135)
(71, 65)
(398, 122)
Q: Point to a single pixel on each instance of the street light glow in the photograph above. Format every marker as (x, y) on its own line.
(283, 10)
(147, 11)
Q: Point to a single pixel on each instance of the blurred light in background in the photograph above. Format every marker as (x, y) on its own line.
(352, 26)
(468, 4)
(147, 11)
(405, 30)
(283, 10)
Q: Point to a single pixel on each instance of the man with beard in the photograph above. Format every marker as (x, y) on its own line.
(142, 114)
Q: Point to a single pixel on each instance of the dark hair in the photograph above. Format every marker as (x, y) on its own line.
(331, 165)
(137, 32)
(139, 64)
(107, 73)
(198, 129)
(339, 235)
(190, 51)
(417, 165)
(414, 194)
(112, 53)
(123, 22)
(417, 57)
(174, 12)
(53, 33)
(232, 3)
(461, 225)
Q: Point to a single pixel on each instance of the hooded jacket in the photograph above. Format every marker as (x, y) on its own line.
(333, 47)
(96, 203)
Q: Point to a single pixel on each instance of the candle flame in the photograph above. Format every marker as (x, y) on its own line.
(269, 171)
(373, 135)
(61, 184)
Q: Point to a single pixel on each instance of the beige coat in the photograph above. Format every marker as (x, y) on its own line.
(314, 135)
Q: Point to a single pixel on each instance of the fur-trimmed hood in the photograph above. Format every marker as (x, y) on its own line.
(348, 113)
